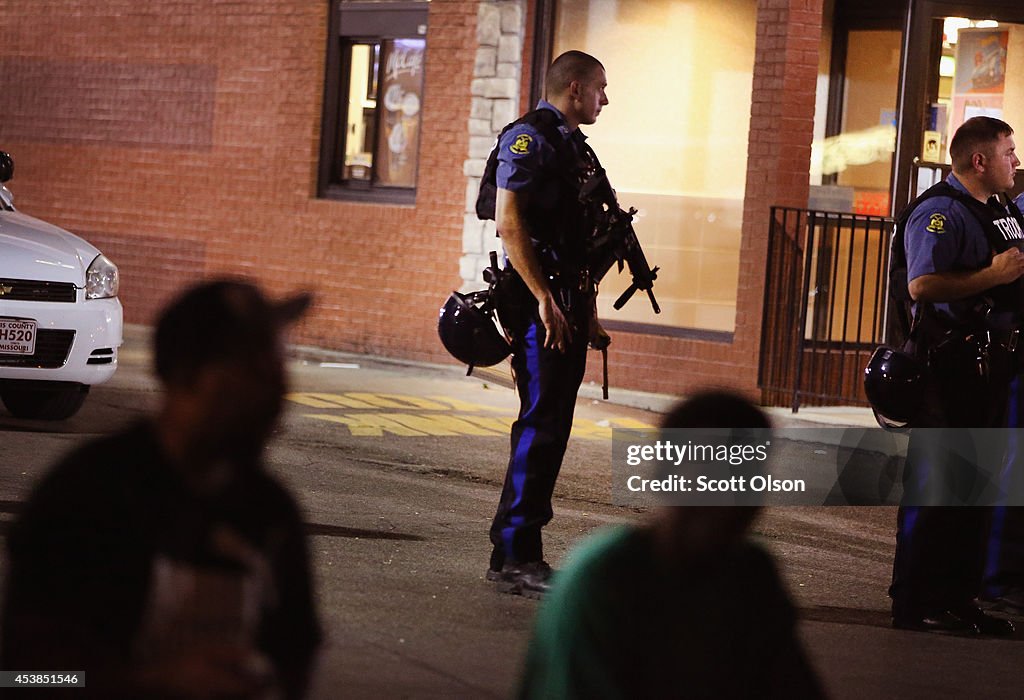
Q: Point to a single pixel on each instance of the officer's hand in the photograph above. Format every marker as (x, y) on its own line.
(557, 333)
(1008, 265)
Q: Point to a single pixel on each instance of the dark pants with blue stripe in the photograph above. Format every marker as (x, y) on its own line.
(940, 550)
(1004, 566)
(547, 381)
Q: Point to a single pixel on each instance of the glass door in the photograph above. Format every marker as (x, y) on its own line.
(960, 59)
(859, 157)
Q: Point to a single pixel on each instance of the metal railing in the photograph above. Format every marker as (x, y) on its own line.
(823, 305)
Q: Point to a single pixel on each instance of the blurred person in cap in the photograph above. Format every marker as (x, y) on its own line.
(163, 561)
(683, 605)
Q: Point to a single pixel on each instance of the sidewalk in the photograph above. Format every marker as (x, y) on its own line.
(837, 416)
(137, 341)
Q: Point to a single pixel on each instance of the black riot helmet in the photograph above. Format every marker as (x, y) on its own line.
(468, 332)
(894, 384)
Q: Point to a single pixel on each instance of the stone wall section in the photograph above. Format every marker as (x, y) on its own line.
(495, 92)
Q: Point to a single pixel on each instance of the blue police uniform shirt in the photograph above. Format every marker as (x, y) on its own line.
(523, 153)
(942, 235)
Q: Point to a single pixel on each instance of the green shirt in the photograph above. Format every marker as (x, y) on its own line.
(621, 623)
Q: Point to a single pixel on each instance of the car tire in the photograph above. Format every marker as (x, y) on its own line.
(44, 404)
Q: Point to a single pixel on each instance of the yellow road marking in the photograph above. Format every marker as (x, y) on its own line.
(404, 423)
(401, 401)
(447, 425)
(468, 406)
(434, 424)
(318, 400)
(397, 401)
(499, 424)
(603, 429)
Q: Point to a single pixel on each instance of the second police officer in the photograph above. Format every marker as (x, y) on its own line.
(547, 304)
(963, 267)
(1003, 588)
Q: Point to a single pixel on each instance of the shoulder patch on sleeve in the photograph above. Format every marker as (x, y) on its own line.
(936, 223)
(522, 144)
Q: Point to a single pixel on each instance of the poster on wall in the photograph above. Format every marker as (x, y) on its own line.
(980, 74)
(967, 106)
(401, 88)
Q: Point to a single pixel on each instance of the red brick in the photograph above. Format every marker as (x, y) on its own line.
(243, 201)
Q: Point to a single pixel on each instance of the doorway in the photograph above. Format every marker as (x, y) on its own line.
(960, 59)
(901, 79)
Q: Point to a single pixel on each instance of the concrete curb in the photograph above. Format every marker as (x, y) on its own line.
(839, 416)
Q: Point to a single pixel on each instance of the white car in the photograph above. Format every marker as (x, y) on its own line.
(60, 318)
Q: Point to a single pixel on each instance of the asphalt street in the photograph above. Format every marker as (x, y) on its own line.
(398, 467)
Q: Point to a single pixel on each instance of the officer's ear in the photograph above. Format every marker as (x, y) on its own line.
(978, 161)
(575, 89)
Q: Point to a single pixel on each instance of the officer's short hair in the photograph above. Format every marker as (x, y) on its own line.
(570, 66)
(976, 135)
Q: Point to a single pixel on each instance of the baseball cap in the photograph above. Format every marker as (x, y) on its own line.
(219, 320)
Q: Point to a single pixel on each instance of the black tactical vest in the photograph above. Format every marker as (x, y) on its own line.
(1004, 229)
(558, 222)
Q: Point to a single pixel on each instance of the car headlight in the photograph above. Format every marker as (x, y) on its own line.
(101, 279)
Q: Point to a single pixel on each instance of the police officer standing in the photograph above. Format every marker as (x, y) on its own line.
(964, 267)
(1003, 588)
(547, 304)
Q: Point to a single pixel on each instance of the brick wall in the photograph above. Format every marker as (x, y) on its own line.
(212, 167)
(182, 138)
(779, 148)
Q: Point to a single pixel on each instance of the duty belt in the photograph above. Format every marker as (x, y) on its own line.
(1009, 339)
(988, 354)
(575, 280)
(573, 290)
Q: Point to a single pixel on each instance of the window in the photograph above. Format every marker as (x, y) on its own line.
(676, 149)
(372, 101)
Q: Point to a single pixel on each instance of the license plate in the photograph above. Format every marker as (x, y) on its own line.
(17, 336)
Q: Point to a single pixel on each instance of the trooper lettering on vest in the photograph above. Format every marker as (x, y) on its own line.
(1010, 228)
(952, 218)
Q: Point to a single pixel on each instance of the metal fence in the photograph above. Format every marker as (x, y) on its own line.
(823, 305)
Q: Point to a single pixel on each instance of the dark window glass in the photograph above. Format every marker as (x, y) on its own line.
(373, 102)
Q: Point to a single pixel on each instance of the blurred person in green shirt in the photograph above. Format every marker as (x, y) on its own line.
(685, 604)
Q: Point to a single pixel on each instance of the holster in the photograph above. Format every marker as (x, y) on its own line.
(517, 307)
(974, 353)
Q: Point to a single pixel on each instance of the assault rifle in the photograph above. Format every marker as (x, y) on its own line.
(614, 240)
